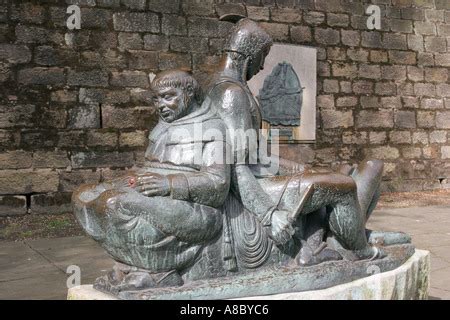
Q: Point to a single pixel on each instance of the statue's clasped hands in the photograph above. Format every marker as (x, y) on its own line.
(282, 229)
(150, 184)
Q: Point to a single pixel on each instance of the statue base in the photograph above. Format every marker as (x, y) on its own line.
(408, 281)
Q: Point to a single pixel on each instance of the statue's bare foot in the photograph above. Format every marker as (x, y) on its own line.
(308, 257)
(387, 238)
(127, 278)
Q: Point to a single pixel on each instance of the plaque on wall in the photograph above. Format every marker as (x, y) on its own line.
(286, 92)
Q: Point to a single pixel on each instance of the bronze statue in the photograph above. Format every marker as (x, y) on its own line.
(207, 204)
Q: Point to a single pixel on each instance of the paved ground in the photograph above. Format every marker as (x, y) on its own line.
(36, 269)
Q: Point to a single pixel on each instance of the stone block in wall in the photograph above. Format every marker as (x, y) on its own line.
(435, 44)
(15, 54)
(402, 57)
(174, 25)
(94, 96)
(169, 60)
(347, 70)
(143, 60)
(300, 34)
(84, 117)
(443, 90)
(198, 8)
(425, 28)
(102, 159)
(102, 138)
(393, 72)
(445, 152)
(420, 137)
(378, 56)
(426, 119)
(50, 203)
(327, 36)
(129, 118)
(442, 59)
(129, 40)
(133, 139)
(438, 136)
(50, 159)
(91, 78)
(27, 13)
(336, 119)
(136, 22)
(21, 182)
(278, 31)
(134, 4)
(189, 45)
(41, 76)
(377, 137)
(350, 38)
(70, 180)
(400, 137)
(405, 119)
(129, 79)
(208, 27)
(439, 75)
(71, 139)
(156, 42)
(371, 39)
(385, 88)
(431, 103)
(400, 25)
(375, 119)
(165, 6)
(96, 18)
(382, 153)
(13, 205)
(258, 13)
(314, 18)
(413, 14)
(37, 35)
(443, 120)
(17, 115)
(15, 159)
(362, 87)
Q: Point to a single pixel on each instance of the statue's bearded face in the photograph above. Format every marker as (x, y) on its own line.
(172, 103)
(257, 63)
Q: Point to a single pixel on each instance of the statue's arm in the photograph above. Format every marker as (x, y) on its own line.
(210, 185)
(252, 195)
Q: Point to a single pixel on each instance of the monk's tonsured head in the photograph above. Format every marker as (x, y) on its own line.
(175, 93)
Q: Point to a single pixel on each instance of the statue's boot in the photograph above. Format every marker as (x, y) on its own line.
(368, 253)
(387, 238)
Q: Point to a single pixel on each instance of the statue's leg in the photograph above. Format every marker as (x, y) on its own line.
(346, 221)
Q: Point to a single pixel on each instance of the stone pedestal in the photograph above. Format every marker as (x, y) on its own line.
(409, 281)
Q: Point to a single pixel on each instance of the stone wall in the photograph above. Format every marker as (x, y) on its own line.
(75, 104)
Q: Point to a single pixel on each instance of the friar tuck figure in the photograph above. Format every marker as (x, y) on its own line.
(156, 220)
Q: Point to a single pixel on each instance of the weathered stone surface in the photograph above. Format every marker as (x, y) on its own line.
(15, 54)
(50, 203)
(133, 139)
(50, 159)
(69, 181)
(336, 119)
(136, 22)
(130, 78)
(13, 205)
(41, 76)
(21, 182)
(84, 117)
(102, 159)
(92, 78)
(443, 120)
(375, 119)
(15, 159)
(124, 118)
